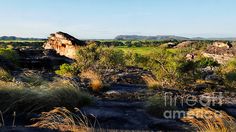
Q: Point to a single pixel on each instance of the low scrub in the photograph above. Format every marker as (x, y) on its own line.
(67, 70)
(228, 72)
(158, 104)
(9, 54)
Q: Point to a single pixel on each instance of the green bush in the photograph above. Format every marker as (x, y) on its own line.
(135, 59)
(165, 65)
(110, 58)
(9, 54)
(228, 72)
(95, 57)
(205, 62)
(67, 70)
(158, 104)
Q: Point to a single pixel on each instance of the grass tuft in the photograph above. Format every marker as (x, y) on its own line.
(63, 120)
(210, 120)
(94, 78)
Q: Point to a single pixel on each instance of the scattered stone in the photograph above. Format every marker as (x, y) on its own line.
(222, 45)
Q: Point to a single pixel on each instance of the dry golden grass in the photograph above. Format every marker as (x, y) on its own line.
(21, 98)
(210, 120)
(95, 79)
(150, 81)
(62, 119)
(5, 75)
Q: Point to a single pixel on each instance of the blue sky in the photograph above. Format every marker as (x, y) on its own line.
(107, 18)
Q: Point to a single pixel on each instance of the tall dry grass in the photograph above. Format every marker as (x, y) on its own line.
(23, 99)
(94, 78)
(210, 120)
(5, 75)
(150, 82)
(63, 120)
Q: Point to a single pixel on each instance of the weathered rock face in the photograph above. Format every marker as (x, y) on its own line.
(64, 44)
(185, 44)
(221, 45)
(220, 51)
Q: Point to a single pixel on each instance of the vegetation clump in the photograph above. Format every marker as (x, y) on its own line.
(209, 120)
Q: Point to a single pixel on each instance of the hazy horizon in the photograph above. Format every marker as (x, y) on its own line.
(105, 19)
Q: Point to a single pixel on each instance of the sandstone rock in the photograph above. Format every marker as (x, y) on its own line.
(64, 44)
(214, 78)
(190, 57)
(222, 45)
(221, 52)
(184, 44)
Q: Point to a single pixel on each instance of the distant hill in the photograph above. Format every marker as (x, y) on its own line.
(18, 38)
(158, 37)
(167, 37)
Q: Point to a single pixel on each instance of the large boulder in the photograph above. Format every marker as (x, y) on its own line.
(64, 44)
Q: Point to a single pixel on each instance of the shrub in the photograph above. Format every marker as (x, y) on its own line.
(165, 65)
(135, 59)
(67, 70)
(205, 62)
(87, 56)
(228, 72)
(110, 58)
(209, 120)
(157, 105)
(9, 54)
(94, 57)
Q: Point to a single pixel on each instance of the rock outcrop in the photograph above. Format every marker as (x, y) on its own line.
(220, 51)
(184, 44)
(64, 44)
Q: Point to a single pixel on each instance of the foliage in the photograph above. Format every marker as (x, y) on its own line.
(158, 104)
(67, 70)
(205, 62)
(109, 58)
(87, 56)
(165, 65)
(9, 54)
(228, 72)
(92, 57)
